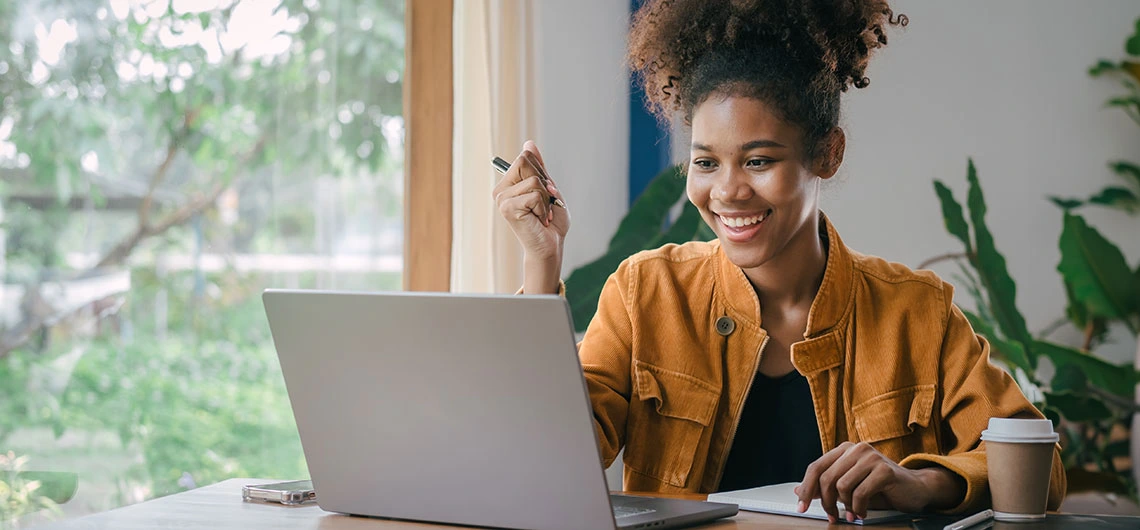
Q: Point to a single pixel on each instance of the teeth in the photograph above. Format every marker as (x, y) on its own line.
(742, 221)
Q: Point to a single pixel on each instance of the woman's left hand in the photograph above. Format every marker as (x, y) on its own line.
(862, 478)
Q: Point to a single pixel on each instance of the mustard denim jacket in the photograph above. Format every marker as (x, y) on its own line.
(890, 360)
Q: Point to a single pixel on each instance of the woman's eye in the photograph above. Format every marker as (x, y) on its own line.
(704, 164)
(758, 162)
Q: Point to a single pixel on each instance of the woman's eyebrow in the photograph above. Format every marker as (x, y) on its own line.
(758, 144)
(754, 144)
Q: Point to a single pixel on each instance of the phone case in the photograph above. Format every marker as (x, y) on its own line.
(283, 496)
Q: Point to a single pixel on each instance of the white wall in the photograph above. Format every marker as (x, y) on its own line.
(1003, 82)
(583, 122)
(583, 116)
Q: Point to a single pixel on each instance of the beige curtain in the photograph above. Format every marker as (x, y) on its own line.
(494, 115)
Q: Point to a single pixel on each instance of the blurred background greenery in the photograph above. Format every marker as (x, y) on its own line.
(161, 162)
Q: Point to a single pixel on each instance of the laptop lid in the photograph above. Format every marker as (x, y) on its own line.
(448, 408)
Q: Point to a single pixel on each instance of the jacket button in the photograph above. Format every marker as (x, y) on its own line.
(725, 326)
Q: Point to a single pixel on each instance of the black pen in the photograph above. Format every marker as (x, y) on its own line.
(502, 166)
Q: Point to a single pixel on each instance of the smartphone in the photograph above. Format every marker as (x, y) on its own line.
(295, 492)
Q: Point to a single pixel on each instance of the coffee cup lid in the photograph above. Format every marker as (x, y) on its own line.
(1016, 430)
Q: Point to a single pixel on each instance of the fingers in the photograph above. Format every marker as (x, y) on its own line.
(528, 196)
(530, 146)
(829, 480)
(529, 163)
(537, 164)
(810, 487)
(521, 168)
(847, 483)
(869, 486)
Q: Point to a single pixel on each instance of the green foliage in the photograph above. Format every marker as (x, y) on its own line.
(205, 401)
(1096, 271)
(648, 213)
(952, 215)
(1011, 352)
(1078, 408)
(1132, 45)
(267, 99)
(1117, 379)
(210, 402)
(309, 97)
(644, 227)
(20, 494)
(1127, 170)
(1087, 393)
(990, 264)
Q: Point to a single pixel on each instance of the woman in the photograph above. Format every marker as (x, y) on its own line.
(774, 353)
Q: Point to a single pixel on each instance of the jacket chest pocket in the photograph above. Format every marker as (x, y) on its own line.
(668, 416)
(897, 423)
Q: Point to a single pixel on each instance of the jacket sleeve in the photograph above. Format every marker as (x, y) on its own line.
(973, 391)
(605, 353)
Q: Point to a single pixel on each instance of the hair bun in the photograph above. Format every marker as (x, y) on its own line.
(829, 38)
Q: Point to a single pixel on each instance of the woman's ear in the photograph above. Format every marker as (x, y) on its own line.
(830, 154)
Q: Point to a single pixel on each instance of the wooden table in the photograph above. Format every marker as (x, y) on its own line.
(219, 507)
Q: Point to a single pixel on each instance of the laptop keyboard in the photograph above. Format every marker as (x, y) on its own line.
(630, 511)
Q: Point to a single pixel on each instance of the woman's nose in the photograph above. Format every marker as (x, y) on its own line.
(732, 186)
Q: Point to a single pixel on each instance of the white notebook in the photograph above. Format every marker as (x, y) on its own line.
(781, 499)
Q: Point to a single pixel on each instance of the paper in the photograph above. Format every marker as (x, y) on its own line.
(781, 499)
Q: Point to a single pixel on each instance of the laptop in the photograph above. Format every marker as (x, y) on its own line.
(456, 409)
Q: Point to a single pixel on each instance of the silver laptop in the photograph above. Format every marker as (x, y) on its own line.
(457, 409)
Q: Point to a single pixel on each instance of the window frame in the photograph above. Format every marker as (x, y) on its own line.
(428, 120)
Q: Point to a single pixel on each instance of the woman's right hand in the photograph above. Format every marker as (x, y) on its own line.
(524, 199)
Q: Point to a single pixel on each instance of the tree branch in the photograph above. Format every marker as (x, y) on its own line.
(159, 174)
(944, 257)
(120, 252)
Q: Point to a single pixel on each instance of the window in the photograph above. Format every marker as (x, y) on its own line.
(161, 162)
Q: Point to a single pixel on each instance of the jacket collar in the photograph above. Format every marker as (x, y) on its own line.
(831, 303)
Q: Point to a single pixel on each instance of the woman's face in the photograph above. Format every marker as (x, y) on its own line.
(749, 177)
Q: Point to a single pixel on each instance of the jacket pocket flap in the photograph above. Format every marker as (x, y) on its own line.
(675, 394)
(894, 414)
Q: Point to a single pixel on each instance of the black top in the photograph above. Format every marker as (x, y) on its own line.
(777, 436)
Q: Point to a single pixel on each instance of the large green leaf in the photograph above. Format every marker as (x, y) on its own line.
(1132, 45)
(952, 215)
(1011, 352)
(1117, 197)
(1103, 66)
(640, 229)
(1128, 170)
(647, 214)
(705, 233)
(1066, 204)
(1118, 379)
(1078, 408)
(683, 229)
(1069, 378)
(1125, 102)
(584, 286)
(1001, 291)
(1078, 313)
(1050, 413)
(1100, 278)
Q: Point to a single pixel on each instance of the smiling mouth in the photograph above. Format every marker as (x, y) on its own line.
(741, 229)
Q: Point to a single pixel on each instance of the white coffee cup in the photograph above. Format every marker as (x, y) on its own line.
(1019, 457)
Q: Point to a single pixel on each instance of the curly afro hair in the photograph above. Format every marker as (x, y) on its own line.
(795, 55)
